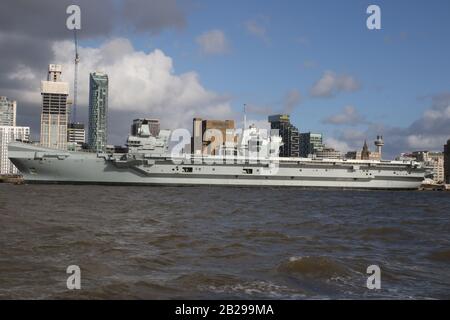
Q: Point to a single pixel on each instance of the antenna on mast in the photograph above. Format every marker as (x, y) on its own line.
(245, 116)
(75, 78)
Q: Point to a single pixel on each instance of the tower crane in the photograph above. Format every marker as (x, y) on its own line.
(75, 78)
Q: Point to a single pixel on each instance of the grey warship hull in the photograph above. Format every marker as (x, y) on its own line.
(45, 165)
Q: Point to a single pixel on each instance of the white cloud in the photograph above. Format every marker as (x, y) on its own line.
(341, 146)
(348, 116)
(22, 73)
(142, 82)
(291, 100)
(257, 28)
(425, 141)
(140, 85)
(213, 42)
(331, 84)
(260, 124)
(436, 114)
(429, 132)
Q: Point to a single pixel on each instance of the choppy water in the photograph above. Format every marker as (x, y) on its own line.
(214, 242)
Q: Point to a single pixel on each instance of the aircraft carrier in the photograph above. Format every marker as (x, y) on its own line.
(148, 161)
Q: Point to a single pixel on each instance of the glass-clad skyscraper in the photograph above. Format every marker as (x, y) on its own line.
(288, 132)
(310, 143)
(98, 111)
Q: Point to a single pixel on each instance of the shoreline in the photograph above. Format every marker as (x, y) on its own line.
(12, 179)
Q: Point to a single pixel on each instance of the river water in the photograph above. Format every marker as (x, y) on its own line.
(222, 243)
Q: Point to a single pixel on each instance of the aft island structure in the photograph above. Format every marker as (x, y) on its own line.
(148, 161)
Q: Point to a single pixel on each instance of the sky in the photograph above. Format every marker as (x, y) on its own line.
(175, 60)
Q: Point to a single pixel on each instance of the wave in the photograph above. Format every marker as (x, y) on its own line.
(440, 255)
(384, 233)
(321, 267)
(255, 289)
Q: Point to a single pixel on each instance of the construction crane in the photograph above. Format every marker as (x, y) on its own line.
(75, 78)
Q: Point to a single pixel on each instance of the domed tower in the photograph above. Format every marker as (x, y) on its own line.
(379, 143)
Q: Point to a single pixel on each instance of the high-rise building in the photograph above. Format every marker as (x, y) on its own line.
(76, 136)
(447, 162)
(55, 113)
(310, 143)
(7, 135)
(153, 124)
(98, 111)
(205, 135)
(434, 160)
(7, 112)
(288, 133)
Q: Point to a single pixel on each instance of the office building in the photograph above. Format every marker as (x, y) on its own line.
(76, 136)
(98, 111)
(153, 124)
(55, 114)
(288, 133)
(9, 134)
(7, 112)
(310, 143)
(211, 136)
(405, 156)
(433, 160)
(447, 162)
(327, 153)
(436, 159)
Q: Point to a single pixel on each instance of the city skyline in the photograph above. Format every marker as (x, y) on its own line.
(98, 90)
(387, 82)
